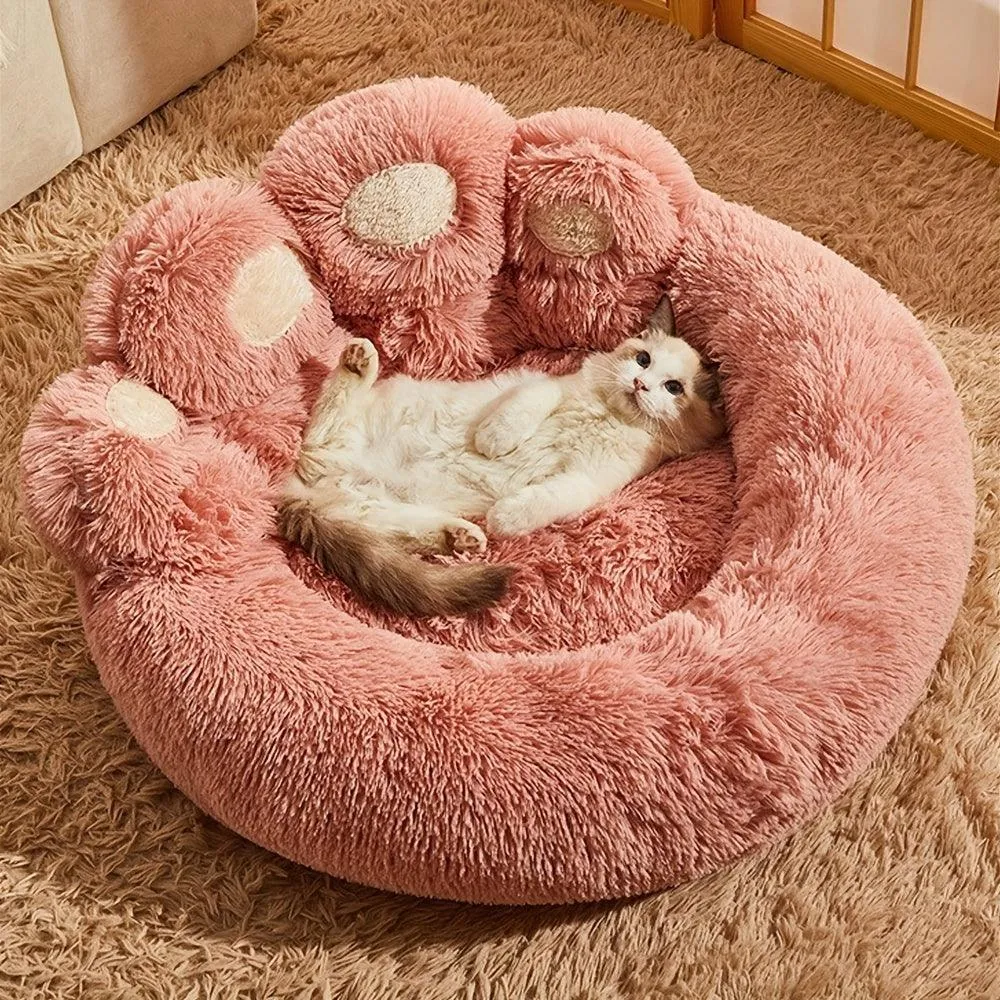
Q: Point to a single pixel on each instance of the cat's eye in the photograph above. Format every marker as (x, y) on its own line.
(674, 387)
(643, 360)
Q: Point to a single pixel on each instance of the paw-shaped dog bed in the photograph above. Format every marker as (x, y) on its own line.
(675, 678)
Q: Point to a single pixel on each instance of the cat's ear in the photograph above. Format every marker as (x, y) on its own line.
(661, 319)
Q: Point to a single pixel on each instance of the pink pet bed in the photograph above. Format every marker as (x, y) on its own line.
(686, 673)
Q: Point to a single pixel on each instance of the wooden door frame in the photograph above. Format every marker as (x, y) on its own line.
(737, 22)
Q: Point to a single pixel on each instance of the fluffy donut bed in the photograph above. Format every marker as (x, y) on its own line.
(682, 675)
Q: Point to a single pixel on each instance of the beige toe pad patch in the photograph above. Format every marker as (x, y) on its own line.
(570, 230)
(137, 409)
(402, 205)
(268, 293)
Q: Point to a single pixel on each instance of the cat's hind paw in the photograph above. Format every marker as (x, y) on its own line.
(360, 358)
(310, 467)
(464, 536)
(515, 515)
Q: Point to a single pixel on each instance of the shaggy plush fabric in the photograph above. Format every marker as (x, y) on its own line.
(502, 759)
(114, 885)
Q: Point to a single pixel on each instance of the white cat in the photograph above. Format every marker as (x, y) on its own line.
(395, 468)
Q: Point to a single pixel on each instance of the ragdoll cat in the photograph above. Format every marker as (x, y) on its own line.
(392, 469)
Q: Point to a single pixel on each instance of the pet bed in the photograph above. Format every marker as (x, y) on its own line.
(682, 675)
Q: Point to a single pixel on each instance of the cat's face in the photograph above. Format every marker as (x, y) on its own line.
(659, 377)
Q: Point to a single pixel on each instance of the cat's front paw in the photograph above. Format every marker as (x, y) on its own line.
(361, 358)
(498, 435)
(514, 515)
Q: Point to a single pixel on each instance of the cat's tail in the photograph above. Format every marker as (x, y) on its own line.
(382, 572)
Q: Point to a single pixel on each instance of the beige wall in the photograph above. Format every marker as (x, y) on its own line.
(76, 73)
(39, 134)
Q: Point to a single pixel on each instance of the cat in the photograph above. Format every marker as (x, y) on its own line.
(393, 469)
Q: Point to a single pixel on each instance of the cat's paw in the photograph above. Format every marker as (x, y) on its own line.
(514, 515)
(360, 357)
(499, 434)
(310, 467)
(464, 536)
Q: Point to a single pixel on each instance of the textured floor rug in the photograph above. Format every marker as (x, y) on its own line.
(113, 885)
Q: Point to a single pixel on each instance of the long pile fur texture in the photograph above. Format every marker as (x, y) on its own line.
(890, 892)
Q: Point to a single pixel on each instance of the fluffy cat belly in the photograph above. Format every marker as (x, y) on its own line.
(457, 480)
(413, 443)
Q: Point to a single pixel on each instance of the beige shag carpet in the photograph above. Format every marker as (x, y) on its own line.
(113, 885)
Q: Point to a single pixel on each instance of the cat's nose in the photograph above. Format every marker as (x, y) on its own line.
(639, 385)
